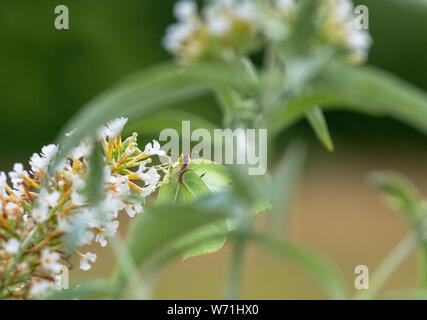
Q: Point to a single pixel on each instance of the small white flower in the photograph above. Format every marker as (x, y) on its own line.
(18, 174)
(50, 151)
(342, 10)
(133, 208)
(12, 246)
(359, 41)
(78, 199)
(120, 183)
(83, 150)
(40, 214)
(50, 260)
(90, 218)
(176, 34)
(185, 9)
(79, 230)
(40, 288)
(151, 177)
(63, 224)
(49, 199)
(12, 208)
(18, 189)
(108, 230)
(85, 237)
(114, 128)
(63, 166)
(111, 206)
(78, 183)
(84, 260)
(218, 25)
(40, 162)
(152, 149)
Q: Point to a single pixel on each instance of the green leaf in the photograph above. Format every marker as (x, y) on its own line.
(320, 127)
(283, 183)
(95, 181)
(158, 227)
(400, 194)
(362, 89)
(403, 196)
(201, 246)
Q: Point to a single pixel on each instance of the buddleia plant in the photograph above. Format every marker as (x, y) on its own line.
(268, 64)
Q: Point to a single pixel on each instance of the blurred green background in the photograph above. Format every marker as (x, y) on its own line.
(46, 75)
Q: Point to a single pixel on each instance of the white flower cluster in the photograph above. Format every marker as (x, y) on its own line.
(58, 205)
(340, 28)
(228, 28)
(220, 30)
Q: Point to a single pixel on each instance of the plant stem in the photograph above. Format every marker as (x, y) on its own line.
(389, 265)
(236, 270)
(135, 287)
(270, 58)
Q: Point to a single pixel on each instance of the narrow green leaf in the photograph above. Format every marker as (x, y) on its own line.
(403, 196)
(95, 181)
(283, 183)
(318, 123)
(363, 89)
(400, 194)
